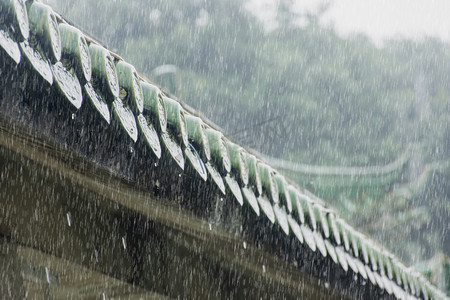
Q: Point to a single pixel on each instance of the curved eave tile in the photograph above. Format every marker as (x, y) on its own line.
(251, 199)
(214, 175)
(9, 48)
(281, 218)
(266, 208)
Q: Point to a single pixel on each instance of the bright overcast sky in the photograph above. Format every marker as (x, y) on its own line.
(379, 19)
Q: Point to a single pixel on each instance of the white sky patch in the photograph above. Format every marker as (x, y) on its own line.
(265, 11)
(203, 18)
(378, 19)
(154, 16)
(306, 6)
(384, 19)
(303, 8)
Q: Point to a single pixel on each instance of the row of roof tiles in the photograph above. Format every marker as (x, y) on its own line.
(80, 70)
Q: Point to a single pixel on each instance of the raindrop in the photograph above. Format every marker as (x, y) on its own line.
(74, 116)
(96, 255)
(264, 268)
(124, 243)
(327, 285)
(104, 296)
(131, 149)
(69, 219)
(244, 244)
(47, 274)
(156, 164)
(210, 226)
(221, 199)
(179, 175)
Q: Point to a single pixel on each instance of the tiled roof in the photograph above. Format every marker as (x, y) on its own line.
(331, 181)
(39, 49)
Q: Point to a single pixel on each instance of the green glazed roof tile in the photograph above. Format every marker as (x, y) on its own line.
(385, 265)
(219, 152)
(154, 108)
(269, 186)
(238, 164)
(197, 136)
(411, 284)
(14, 12)
(423, 287)
(354, 240)
(320, 216)
(253, 173)
(283, 194)
(307, 207)
(373, 257)
(413, 277)
(416, 278)
(430, 292)
(396, 272)
(43, 24)
(292, 191)
(104, 74)
(176, 121)
(296, 205)
(388, 265)
(130, 90)
(364, 250)
(342, 229)
(75, 52)
(334, 227)
(403, 271)
(381, 262)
